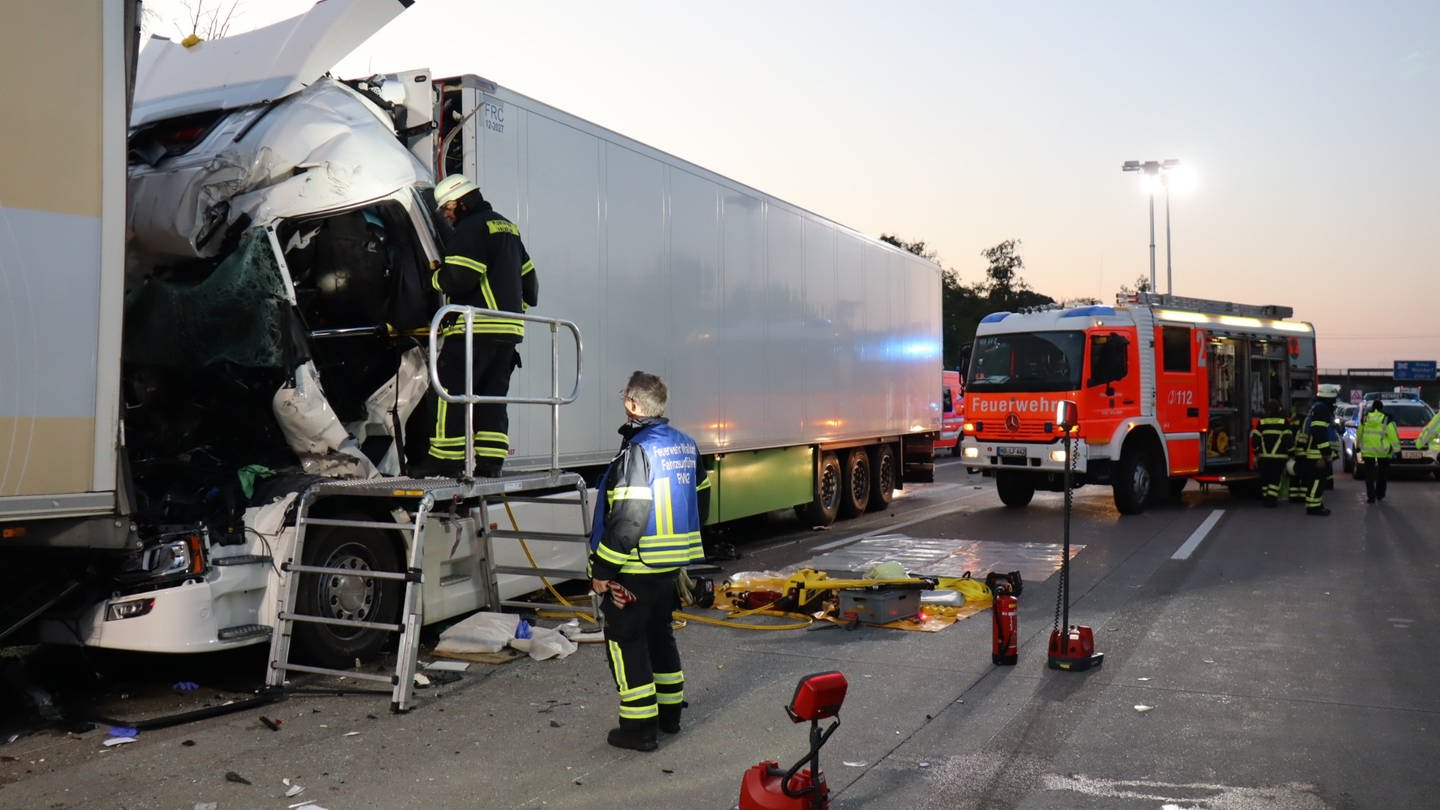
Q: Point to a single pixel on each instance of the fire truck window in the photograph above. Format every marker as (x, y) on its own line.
(1109, 360)
(946, 403)
(1176, 340)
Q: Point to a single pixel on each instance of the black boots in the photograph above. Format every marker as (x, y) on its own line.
(670, 717)
(636, 735)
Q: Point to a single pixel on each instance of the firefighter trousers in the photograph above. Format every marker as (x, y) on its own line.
(492, 362)
(1311, 472)
(1271, 469)
(640, 646)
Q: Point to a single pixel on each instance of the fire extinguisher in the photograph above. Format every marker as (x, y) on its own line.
(1005, 627)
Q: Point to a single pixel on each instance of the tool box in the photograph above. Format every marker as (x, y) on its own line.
(878, 605)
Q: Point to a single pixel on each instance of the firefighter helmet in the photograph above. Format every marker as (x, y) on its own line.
(452, 188)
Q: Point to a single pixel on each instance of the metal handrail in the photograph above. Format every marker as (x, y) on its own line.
(471, 399)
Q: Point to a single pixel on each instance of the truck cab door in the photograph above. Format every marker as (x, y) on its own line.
(1181, 405)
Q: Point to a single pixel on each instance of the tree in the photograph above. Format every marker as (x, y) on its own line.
(204, 20)
(1142, 284)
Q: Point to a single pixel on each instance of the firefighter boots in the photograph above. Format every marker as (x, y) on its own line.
(636, 735)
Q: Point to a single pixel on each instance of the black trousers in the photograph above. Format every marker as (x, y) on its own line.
(1311, 472)
(492, 363)
(1271, 469)
(1377, 475)
(640, 645)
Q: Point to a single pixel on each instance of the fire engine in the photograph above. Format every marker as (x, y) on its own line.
(1167, 389)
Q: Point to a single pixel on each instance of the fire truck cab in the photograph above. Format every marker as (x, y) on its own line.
(1167, 388)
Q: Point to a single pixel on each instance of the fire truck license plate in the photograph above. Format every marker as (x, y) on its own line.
(1010, 451)
(1409, 454)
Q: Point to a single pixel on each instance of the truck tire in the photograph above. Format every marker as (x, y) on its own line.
(1134, 480)
(826, 504)
(855, 492)
(1015, 489)
(338, 596)
(883, 474)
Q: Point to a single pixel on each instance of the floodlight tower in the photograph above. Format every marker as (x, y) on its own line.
(1154, 172)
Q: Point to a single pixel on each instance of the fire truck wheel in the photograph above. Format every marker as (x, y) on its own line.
(826, 504)
(341, 596)
(882, 471)
(855, 494)
(1135, 480)
(1015, 489)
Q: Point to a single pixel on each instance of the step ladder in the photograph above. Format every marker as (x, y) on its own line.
(560, 496)
(427, 492)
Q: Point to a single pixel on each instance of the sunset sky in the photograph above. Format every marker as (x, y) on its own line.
(1310, 128)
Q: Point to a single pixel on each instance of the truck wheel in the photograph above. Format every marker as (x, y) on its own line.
(342, 596)
(882, 472)
(1134, 481)
(855, 494)
(822, 510)
(1016, 489)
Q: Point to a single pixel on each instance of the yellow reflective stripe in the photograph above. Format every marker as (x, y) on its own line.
(466, 262)
(617, 660)
(630, 494)
(664, 514)
(527, 267)
(501, 226)
(669, 677)
(645, 712)
(435, 280)
(487, 326)
(611, 556)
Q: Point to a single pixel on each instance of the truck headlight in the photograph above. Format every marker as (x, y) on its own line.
(128, 610)
(175, 557)
(1057, 456)
(971, 452)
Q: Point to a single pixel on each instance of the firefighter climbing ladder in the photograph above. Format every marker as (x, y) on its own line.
(420, 500)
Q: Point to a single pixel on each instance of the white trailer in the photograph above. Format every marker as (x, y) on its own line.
(278, 238)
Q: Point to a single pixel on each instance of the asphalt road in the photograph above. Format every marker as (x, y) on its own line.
(1287, 662)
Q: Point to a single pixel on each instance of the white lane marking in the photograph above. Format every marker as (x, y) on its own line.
(1184, 552)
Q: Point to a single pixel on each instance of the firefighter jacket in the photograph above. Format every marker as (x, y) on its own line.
(1313, 441)
(486, 266)
(1272, 437)
(1376, 436)
(647, 516)
(1430, 433)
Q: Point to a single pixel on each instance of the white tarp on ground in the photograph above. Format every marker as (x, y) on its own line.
(944, 557)
(486, 632)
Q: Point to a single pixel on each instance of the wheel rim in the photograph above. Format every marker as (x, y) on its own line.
(860, 482)
(887, 473)
(830, 486)
(1140, 483)
(349, 596)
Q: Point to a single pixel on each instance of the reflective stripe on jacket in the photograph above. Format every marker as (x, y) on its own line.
(1314, 440)
(647, 517)
(1273, 437)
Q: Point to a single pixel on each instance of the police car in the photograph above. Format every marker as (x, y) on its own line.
(1410, 415)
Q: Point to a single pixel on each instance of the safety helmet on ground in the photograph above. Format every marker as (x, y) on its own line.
(452, 188)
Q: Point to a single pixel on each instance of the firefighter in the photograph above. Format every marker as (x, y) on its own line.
(1289, 481)
(1378, 442)
(486, 265)
(1271, 441)
(646, 527)
(1312, 455)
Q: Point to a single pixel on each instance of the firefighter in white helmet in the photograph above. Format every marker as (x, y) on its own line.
(486, 266)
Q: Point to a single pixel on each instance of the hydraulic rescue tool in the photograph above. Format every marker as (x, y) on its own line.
(802, 787)
(1071, 647)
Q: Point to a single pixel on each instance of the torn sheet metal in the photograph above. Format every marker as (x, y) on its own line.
(266, 64)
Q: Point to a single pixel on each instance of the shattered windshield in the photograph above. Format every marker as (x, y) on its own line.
(1028, 361)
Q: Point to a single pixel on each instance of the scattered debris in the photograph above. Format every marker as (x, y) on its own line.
(421, 682)
(1142, 708)
(351, 734)
(855, 763)
(114, 741)
(273, 725)
(123, 731)
(185, 686)
(188, 743)
(206, 805)
(231, 776)
(447, 666)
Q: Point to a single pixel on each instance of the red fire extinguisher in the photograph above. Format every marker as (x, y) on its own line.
(1005, 627)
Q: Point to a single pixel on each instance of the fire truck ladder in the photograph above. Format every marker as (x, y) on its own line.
(466, 501)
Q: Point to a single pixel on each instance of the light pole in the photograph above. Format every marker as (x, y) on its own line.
(1155, 171)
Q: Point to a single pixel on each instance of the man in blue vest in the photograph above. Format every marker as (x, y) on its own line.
(646, 527)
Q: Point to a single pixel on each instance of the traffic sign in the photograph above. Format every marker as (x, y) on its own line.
(1421, 370)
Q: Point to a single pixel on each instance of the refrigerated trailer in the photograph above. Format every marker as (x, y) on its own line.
(224, 311)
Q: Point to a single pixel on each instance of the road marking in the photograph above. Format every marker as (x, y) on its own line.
(1184, 552)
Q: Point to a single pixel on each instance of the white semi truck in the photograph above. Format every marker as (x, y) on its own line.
(223, 299)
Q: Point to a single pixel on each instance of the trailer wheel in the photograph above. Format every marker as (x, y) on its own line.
(882, 471)
(826, 505)
(1134, 481)
(855, 494)
(1016, 489)
(342, 596)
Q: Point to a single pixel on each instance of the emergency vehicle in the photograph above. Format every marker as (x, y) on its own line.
(952, 413)
(1167, 389)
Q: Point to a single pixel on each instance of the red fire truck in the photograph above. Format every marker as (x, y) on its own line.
(1167, 389)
